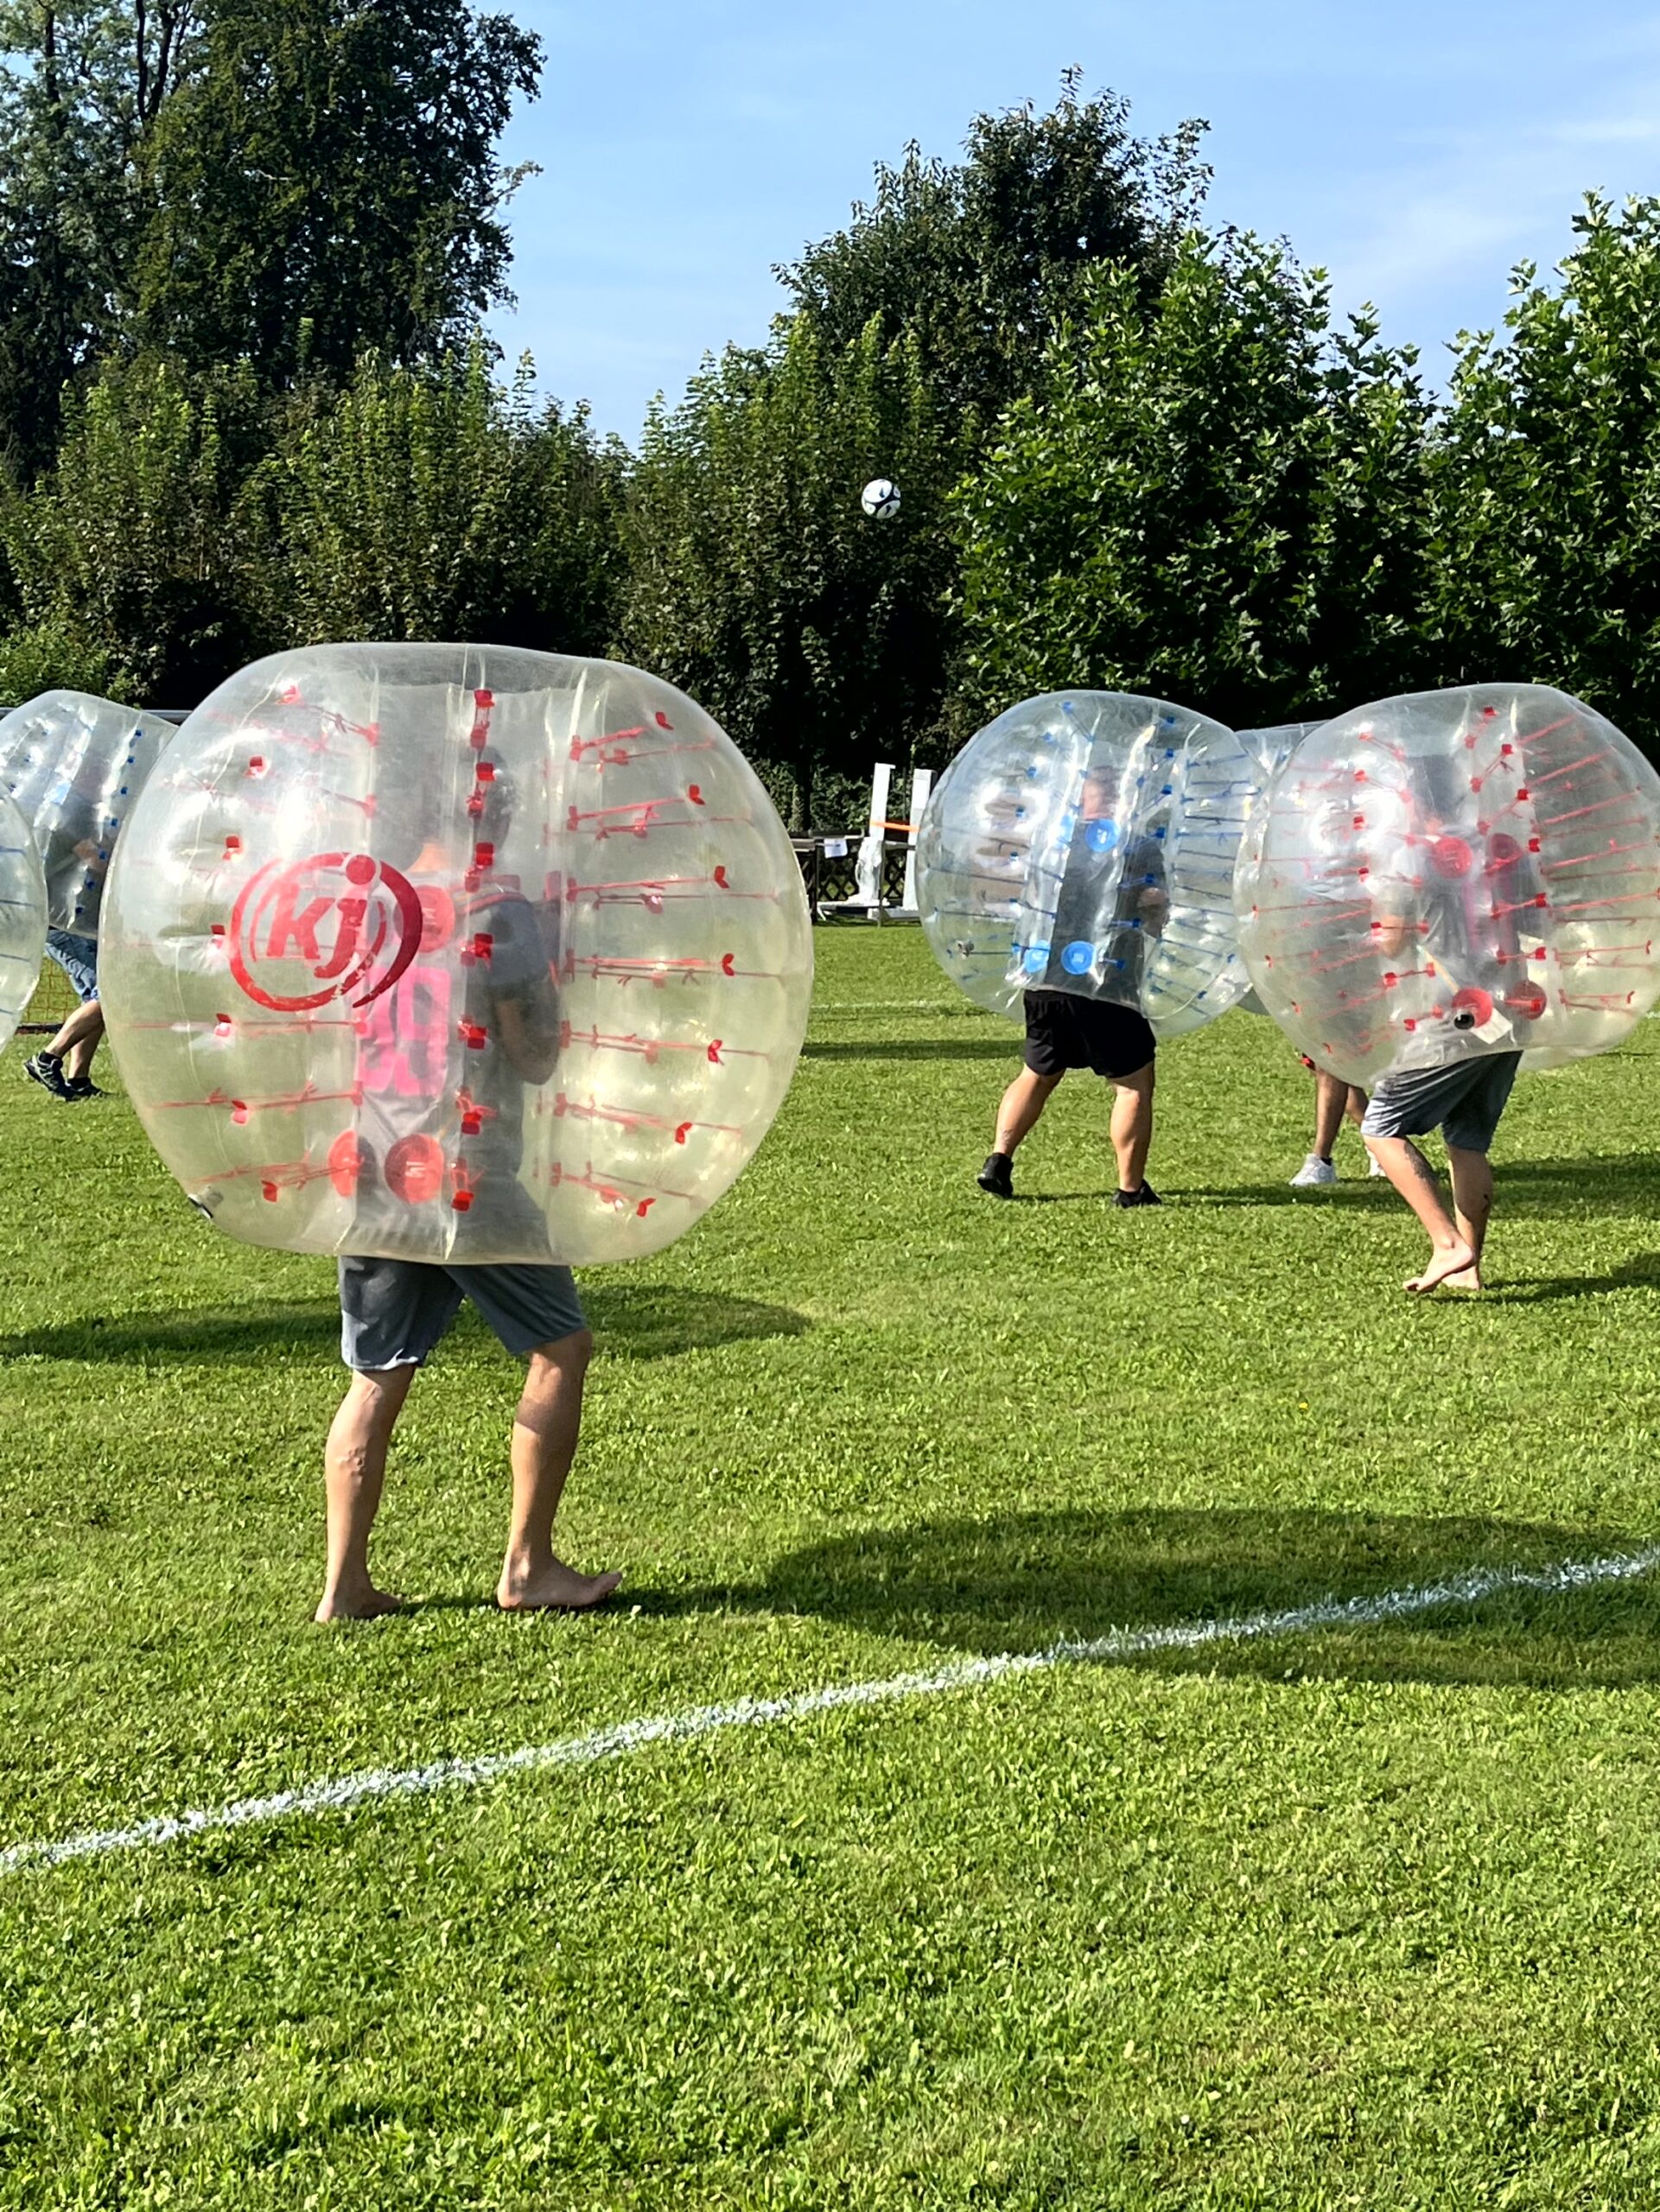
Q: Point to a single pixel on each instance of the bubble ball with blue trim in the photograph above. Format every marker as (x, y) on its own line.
(1085, 842)
(22, 917)
(74, 764)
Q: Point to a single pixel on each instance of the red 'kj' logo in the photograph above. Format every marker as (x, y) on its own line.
(351, 920)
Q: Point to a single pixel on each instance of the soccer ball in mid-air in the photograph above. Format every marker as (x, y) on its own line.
(880, 499)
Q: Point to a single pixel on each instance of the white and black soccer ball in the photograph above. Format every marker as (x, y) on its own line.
(880, 499)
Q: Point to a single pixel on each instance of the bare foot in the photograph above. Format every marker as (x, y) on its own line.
(362, 1602)
(1466, 1278)
(1449, 1260)
(553, 1588)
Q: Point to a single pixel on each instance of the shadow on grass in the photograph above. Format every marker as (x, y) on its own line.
(1363, 1195)
(926, 1048)
(1641, 1271)
(1024, 1583)
(1627, 1184)
(650, 1321)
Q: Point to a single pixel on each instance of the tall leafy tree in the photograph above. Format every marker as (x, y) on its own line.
(126, 554)
(1222, 501)
(324, 182)
(816, 635)
(1546, 480)
(432, 502)
(293, 181)
(81, 84)
(977, 258)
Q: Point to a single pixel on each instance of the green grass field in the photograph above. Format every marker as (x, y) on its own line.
(1358, 1917)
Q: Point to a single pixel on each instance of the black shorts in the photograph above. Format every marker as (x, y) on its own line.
(1064, 1031)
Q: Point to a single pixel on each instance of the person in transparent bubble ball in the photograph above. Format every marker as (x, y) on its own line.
(394, 1312)
(1066, 1030)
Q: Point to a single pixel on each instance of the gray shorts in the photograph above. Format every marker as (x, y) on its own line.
(77, 958)
(1464, 1101)
(394, 1311)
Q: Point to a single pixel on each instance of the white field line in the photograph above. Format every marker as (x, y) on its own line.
(625, 1735)
(884, 1006)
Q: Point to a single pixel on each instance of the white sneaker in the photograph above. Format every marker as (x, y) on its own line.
(1314, 1174)
(1377, 1170)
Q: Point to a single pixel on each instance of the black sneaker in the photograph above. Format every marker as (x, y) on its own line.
(82, 1086)
(47, 1070)
(997, 1176)
(1147, 1196)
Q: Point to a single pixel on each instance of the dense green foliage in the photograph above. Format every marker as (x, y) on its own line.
(976, 259)
(1220, 500)
(1547, 492)
(189, 526)
(753, 577)
(433, 503)
(1130, 453)
(1357, 1917)
(289, 182)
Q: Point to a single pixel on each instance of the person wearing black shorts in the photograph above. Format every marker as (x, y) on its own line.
(1065, 1029)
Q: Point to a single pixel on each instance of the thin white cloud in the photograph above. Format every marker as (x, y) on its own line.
(1472, 205)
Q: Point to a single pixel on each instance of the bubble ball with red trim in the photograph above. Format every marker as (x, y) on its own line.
(455, 953)
(22, 917)
(1456, 873)
(75, 765)
(1085, 842)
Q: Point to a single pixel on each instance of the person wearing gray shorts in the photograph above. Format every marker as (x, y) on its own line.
(393, 1315)
(1464, 1101)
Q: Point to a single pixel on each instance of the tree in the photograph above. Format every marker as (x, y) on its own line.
(293, 181)
(324, 182)
(428, 502)
(127, 552)
(817, 636)
(977, 258)
(1546, 481)
(1222, 501)
(82, 82)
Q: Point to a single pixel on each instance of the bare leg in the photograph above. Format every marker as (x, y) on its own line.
(77, 1041)
(1408, 1171)
(1356, 1109)
(355, 1470)
(545, 1430)
(1132, 1125)
(1331, 1103)
(1472, 1205)
(1023, 1103)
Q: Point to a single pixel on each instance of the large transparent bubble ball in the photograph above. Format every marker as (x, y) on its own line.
(1456, 873)
(22, 917)
(1085, 842)
(75, 765)
(1269, 749)
(1272, 747)
(455, 953)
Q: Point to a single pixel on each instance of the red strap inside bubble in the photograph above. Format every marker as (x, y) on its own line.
(415, 1170)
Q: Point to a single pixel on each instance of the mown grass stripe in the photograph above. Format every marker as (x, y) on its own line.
(344, 1791)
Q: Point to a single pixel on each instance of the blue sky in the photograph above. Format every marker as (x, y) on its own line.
(1415, 150)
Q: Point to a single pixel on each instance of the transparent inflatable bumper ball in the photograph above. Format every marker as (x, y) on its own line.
(457, 954)
(1456, 873)
(1085, 842)
(22, 918)
(75, 765)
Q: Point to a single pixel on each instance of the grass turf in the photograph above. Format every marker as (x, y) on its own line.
(1349, 1918)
